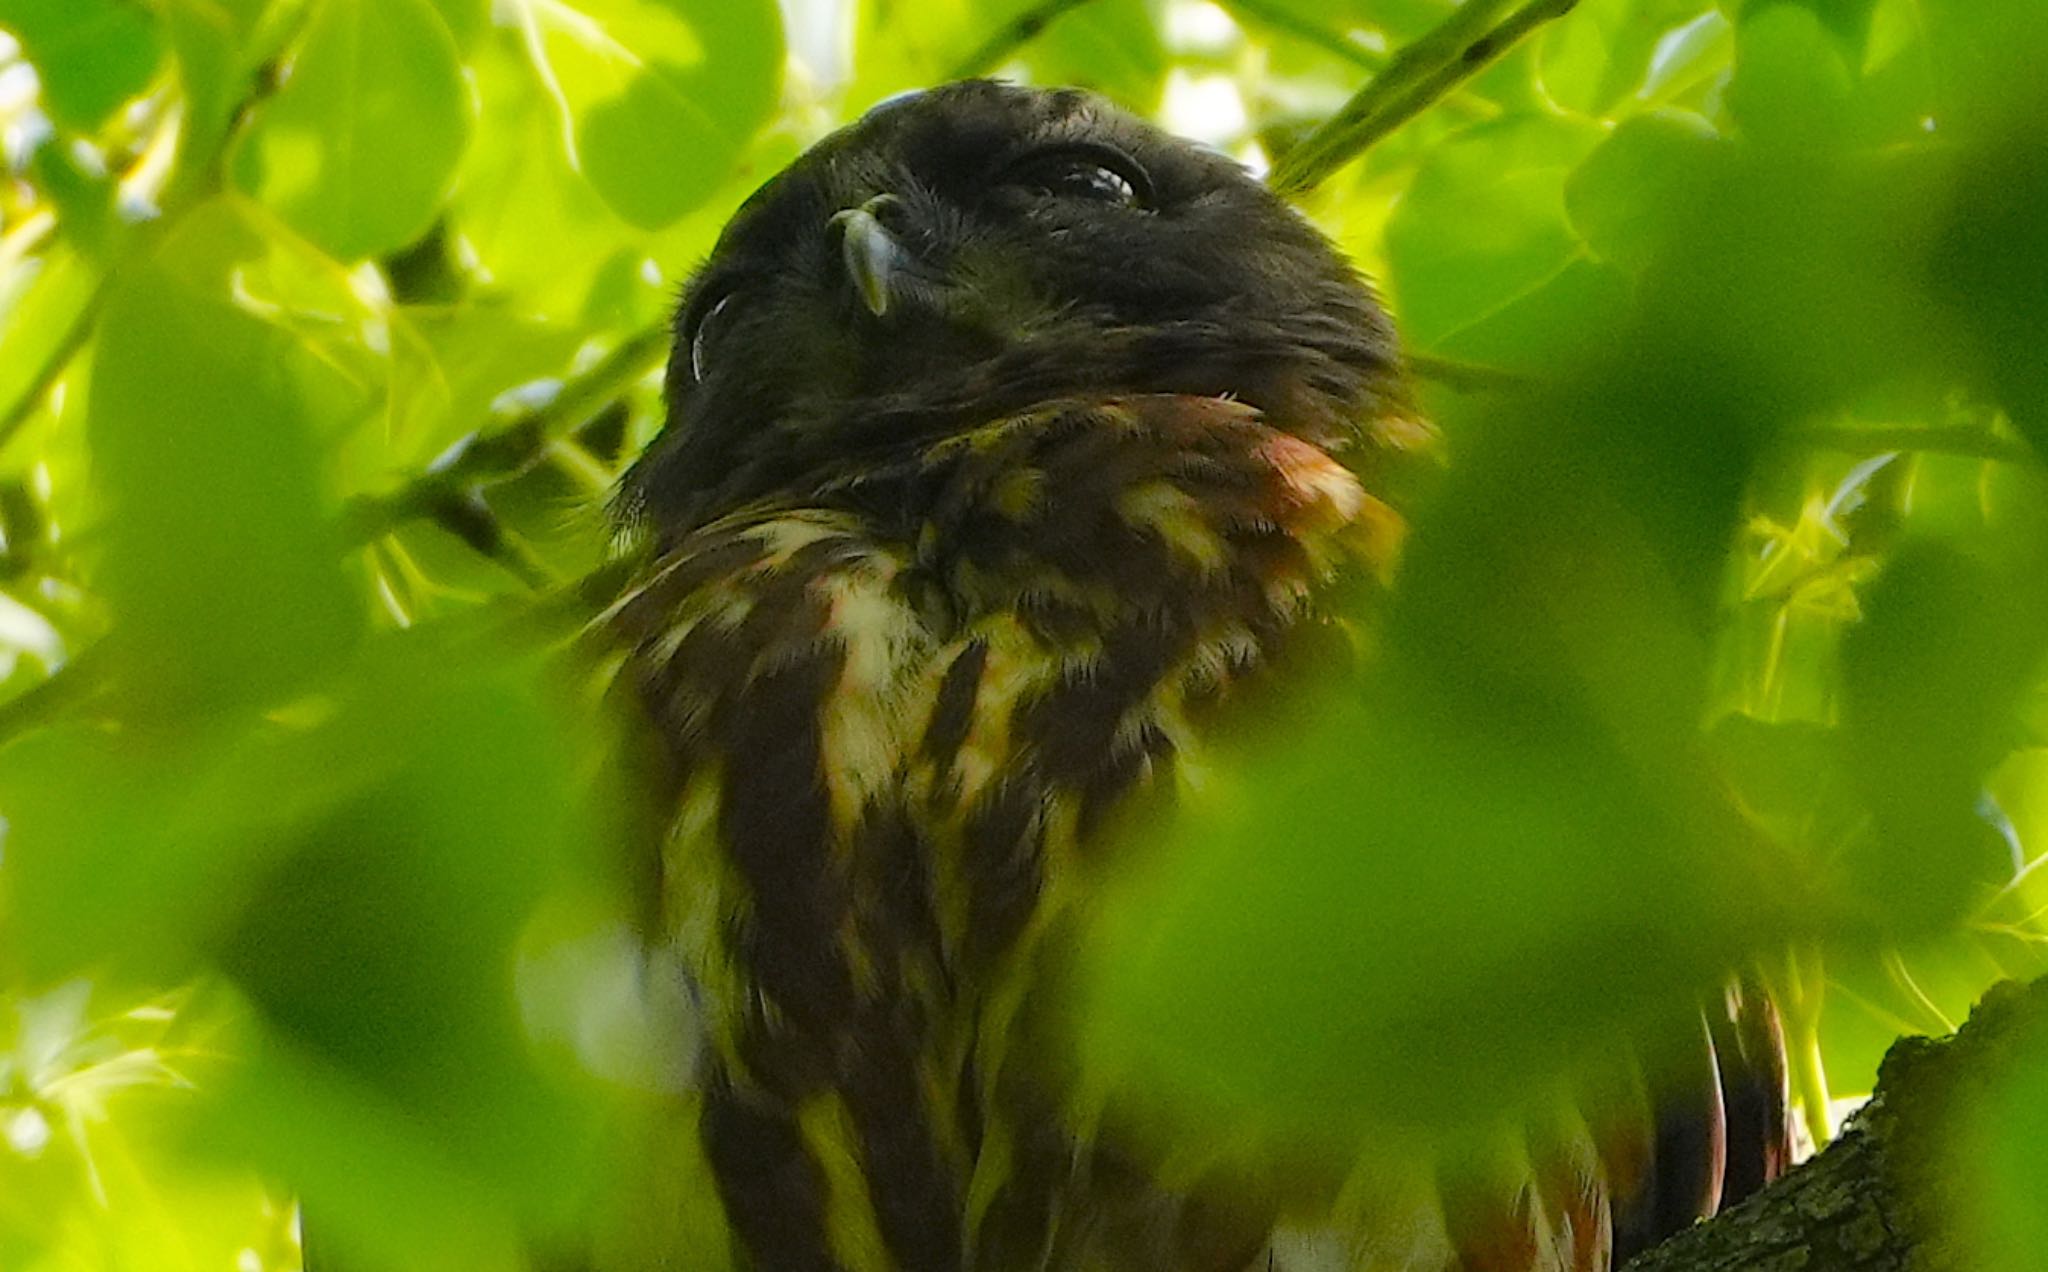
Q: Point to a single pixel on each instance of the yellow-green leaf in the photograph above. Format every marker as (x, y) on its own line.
(659, 95)
(359, 147)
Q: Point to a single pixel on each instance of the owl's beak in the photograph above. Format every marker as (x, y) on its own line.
(876, 263)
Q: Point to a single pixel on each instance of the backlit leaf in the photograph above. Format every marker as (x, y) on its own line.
(359, 146)
(660, 95)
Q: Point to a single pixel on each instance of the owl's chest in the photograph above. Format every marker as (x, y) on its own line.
(1094, 574)
(1095, 582)
(909, 727)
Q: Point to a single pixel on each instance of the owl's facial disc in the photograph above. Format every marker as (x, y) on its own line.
(975, 251)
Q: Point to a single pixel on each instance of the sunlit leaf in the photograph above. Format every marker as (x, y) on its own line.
(1622, 198)
(1791, 86)
(538, 228)
(659, 96)
(219, 45)
(1607, 51)
(221, 565)
(450, 375)
(467, 19)
(1114, 48)
(92, 55)
(321, 152)
(40, 306)
(1484, 223)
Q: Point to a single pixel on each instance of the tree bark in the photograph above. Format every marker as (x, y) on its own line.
(1877, 1200)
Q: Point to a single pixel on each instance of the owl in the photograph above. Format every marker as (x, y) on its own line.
(1010, 441)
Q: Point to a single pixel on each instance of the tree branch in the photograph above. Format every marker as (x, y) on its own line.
(1878, 1200)
(450, 492)
(1420, 75)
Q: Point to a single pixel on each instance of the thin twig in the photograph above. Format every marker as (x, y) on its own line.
(1014, 34)
(1409, 66)
(448, 492)
(1420, 75)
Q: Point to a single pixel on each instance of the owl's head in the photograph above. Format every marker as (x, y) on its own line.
(971, 251)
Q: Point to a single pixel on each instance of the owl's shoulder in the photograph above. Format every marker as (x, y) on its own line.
(1128, 533)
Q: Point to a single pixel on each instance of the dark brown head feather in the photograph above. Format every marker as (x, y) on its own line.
(1203, 283)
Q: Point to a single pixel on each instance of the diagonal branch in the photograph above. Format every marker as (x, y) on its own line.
(450, 491)
(1420, 75)
(1885, 1197)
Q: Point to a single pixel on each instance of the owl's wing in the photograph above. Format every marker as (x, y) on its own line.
(781, 660)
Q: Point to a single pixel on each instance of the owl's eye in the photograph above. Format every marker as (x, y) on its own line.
(1100, 174)
(704, 335)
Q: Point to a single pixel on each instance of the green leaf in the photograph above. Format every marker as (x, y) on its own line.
(1807, 266)
(1603, 52)
(893, 53)
(1399, 20)
(91, 55)
(1502, 858)
(92, 1181)
(1465, 920)
(1691, 65)
(1791, 86)
(1847, 22)
(77, 183)
(537, 227)
(1963, 63)
(219, 44)
(1483, 223)
(359, 147)
(221, 567)
(1991, 259)
(40, 304)
(449, 369)
(1931, 682)
(1112, 46)
(467, 19)
(666, 1197)
(1622, 199)
(139, 881)
(1985, 1164)
(1874, 997)
(661, 95)
(379, 958)
(1544, 328)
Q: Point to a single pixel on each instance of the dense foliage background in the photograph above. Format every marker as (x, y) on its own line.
(325, 326)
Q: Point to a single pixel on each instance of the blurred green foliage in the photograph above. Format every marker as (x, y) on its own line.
(325, 325)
